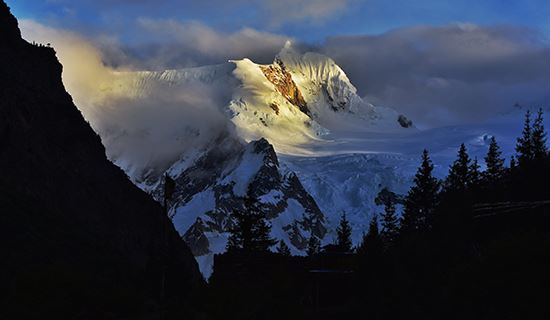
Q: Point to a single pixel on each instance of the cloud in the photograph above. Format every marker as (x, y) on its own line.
(448, 74)
(270, 14)
(152, 129)
(167, 43)
(443, 75)
(280, 12)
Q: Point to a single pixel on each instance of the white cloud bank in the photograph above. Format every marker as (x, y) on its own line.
(151, 130)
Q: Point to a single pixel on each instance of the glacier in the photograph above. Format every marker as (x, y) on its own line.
(298, 134)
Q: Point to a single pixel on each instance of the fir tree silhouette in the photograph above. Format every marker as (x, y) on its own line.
(390, 225)
(283, 249)
(459, 172)
(494, 162)
(370, 240)
(524, 145)
(421, 199)
(313, 245)
(513, 163)
(344, 234)
(540, 150)
(250, 231)
(474, 174)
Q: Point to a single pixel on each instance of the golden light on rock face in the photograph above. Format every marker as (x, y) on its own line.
(282, 80)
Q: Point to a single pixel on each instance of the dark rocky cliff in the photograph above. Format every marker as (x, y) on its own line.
(78, 239)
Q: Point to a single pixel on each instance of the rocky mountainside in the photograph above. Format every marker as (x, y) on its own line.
(281, 108)
(209, 189)
(298, 100)
(78, 238)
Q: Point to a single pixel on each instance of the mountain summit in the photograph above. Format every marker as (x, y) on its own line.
(299, 100)
(273, 110)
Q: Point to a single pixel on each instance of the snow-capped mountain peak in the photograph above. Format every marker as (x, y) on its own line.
(295, 106)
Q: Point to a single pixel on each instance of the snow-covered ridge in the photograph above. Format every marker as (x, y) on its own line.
(298, 107)
(335, 156)
(304, 98)
(331, 96)
(210, 189)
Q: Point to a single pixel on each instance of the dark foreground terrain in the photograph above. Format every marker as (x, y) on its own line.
(80, 241)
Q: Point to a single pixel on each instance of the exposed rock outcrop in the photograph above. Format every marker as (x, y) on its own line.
(404, 121)
(208, 191)
(282, 80)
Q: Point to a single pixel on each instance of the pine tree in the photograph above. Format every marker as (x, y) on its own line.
(283, 249)
(313, 246)
(421, 199)
(241, 231)
(458, 177)
(540, 150)
(495, 163)
(390, 224)
(513, 163)
(371, 239)
(344, 234)
(474, 174)
(370, 253)
(524, 145)
(250, 231)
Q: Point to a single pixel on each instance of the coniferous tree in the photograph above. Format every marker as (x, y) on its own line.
(344, 234)
(474, 174)
(524, 145)
(513, 163)
(241, 231)
(250, 231)
(459, 172)
(495, 163)
(371, 240)
(370, 253)
(540, 150)
(422, 198)
(283, 249)
(390, 224)
(313, 246)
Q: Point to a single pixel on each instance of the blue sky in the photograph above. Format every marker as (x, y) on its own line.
(302, 19)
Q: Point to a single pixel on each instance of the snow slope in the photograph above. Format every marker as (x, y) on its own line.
(347, 173)
(298, 100)
(327, 150)
(215, 185)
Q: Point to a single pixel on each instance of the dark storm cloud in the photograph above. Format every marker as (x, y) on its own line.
(450, 74)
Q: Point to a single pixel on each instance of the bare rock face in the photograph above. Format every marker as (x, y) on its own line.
(282, 80)
(208, 191)
(404, 121)
(196, 239)
(80, 240)
(386, 197)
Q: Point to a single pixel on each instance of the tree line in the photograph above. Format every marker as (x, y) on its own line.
(462, 247)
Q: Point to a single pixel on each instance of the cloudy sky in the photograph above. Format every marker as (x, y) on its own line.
(440, 62)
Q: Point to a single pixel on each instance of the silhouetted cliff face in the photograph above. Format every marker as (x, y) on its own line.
(77, 236)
